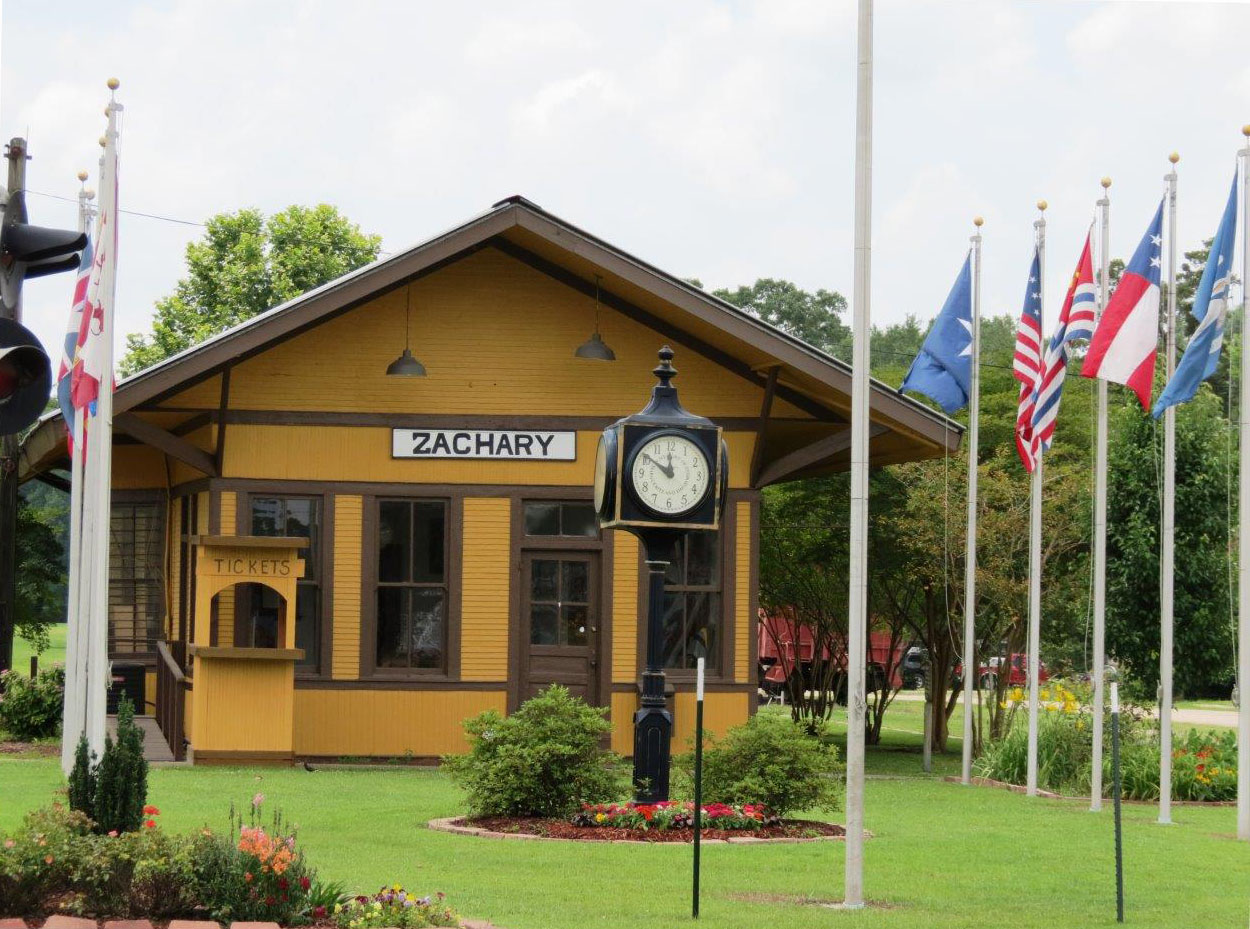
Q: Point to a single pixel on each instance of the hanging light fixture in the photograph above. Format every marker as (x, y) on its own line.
(405, 365)
(594, 348)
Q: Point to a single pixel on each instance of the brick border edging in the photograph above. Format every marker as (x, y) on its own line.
(452, 824)
(1049, 795)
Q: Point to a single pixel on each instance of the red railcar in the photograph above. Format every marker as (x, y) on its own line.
(784, 644)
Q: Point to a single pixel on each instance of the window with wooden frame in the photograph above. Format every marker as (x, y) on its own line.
(574, 519)
(411, 594)
(136, 597)
(288, 517)
(693, 616)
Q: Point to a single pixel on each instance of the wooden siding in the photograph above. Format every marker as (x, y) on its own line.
(484, 584)
(625, 579)
(721, 711)
(247, 711)
(387, 722)
(174, 598)
(524, 367)
(347, 592)
(363, 453)
(743, 607)
(137, 467)
(228, 506)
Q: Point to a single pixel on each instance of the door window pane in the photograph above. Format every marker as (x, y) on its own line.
(542, 519)
(571, 519)
(575, 582)
(543, 624)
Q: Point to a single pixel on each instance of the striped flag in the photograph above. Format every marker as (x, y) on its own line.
(1076, 321)
(1202, 355)
(1028, 361)
(1126, 341)
(70, 344)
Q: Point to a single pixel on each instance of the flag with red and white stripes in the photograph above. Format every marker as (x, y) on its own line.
(1027, 364)
(1126, 341)
(1076, 321)
(70, 343)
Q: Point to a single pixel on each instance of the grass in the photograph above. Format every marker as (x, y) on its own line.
(942, 855)
(53, 654)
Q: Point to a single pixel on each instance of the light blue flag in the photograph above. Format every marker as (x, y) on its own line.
(1202, 355)
(942, 370)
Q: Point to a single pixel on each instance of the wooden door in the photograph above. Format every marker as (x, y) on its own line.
(560, 622)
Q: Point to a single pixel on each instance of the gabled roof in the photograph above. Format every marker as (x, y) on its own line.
(904, 429)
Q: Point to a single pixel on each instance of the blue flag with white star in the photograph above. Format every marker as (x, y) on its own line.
(1202, 354)
(942, 371)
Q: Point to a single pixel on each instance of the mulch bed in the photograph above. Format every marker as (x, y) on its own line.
(42, 749)
(792, 830)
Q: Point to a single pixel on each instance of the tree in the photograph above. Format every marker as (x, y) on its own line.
(246, 264)
(816, 318)
(40, 566)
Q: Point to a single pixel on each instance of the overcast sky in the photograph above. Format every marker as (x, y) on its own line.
(713, 139)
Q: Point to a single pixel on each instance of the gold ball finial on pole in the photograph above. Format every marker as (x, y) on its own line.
(978, 221)
(114, 83)
(1245, 130)
(82, 176)
(1106, 182)
(1174, 157)
(1042, 204)
(103, 141)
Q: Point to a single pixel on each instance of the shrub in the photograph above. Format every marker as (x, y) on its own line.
(114, 791)
(36, 861)
(768, 760)
(544, 760)
(31, 707)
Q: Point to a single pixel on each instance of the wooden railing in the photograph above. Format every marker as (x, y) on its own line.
(171, 704)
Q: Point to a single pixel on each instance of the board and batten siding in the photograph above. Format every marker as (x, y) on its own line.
(486, 566)
(742, 592)
(625, 580)
(348, 591)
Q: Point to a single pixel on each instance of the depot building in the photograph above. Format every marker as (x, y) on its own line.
(348, 524)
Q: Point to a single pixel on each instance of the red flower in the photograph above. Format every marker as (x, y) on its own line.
(269, 901)
(1201, 768)
(283, 883)
(319, 912)
(304, 883)
(150, 810)
(151, 824)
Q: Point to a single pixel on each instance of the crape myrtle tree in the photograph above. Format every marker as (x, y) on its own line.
(246, 264)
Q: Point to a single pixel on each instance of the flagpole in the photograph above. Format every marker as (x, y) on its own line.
(1243, 503)
(1169, 525)
(1100, 510)
(1035, 531)
(100, 444)
(970, 561)
(858, 599)
(73, 711)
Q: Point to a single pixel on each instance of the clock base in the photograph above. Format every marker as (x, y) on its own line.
(653, 736)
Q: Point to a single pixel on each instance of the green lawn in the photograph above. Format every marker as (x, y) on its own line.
(54, 654)
(942, 856)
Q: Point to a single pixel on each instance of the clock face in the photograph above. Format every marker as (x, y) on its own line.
(669, 474)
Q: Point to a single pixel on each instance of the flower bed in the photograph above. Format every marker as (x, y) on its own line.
(668, 823)
(668, 814)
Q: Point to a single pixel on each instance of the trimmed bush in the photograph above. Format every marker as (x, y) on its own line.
(31, 708)
(546, 759)
(114, 791)
(768, 760)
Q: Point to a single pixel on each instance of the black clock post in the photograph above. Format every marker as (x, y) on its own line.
(659, 474)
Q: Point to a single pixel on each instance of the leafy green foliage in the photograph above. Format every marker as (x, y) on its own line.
(546, 759)
(768, 760)
(244, 265)
(31, 708)
(813, 317)
(42, 521)
(113, 792)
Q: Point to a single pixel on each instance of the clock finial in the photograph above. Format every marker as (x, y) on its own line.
(665, 370)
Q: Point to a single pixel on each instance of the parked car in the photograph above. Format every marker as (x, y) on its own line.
(1018, 675)
(912, 668)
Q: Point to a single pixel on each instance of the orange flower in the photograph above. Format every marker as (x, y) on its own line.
(47, 860)
(248, 877)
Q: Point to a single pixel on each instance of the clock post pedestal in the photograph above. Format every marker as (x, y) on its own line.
(653, 723)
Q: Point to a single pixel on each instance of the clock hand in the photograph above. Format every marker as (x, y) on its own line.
(666, 470)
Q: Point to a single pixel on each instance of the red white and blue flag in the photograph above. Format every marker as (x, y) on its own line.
(1127, 338)
(93, 330)
(1076, 321)
(70, 344)
(1027, 364)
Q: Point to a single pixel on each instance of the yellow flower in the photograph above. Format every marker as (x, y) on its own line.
(599, 817)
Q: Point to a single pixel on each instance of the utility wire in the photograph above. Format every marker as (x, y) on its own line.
(167, 219)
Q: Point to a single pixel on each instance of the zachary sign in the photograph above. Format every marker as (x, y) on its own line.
(520, 444)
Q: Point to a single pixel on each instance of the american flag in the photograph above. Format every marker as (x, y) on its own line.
(1028, 361)
(1076, 321)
